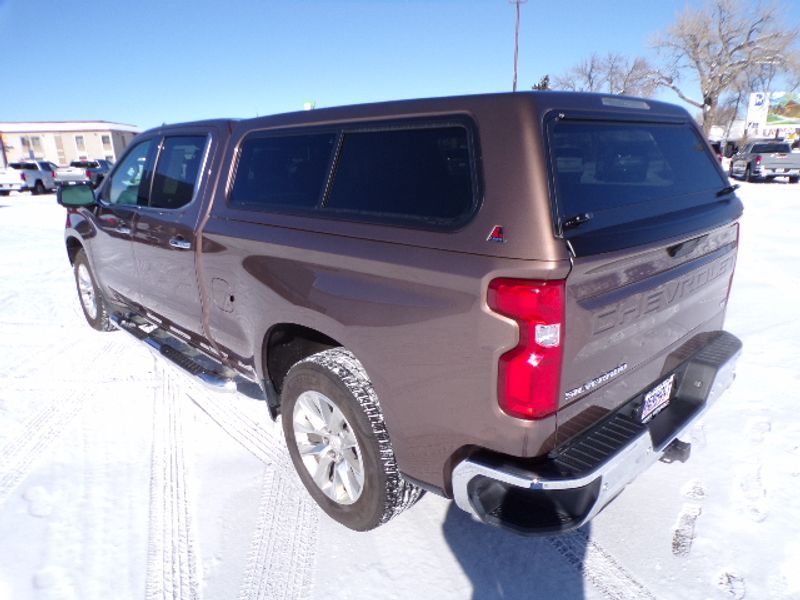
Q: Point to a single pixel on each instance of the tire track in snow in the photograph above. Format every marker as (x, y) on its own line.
(598, 567)
(223, 409)
(283, 549)
(172, 562)
(282, 554)
(36, 435)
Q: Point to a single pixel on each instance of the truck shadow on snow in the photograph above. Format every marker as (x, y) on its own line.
(503, 565)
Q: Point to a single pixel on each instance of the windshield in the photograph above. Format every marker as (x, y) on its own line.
(618, 172)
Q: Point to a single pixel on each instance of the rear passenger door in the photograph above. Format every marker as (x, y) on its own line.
(164, 242)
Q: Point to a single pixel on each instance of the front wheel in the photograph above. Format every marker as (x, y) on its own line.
(93, 304)
(338, 441)
(794, 179)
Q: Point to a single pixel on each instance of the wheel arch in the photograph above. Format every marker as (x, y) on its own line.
(73, 247)
(283, 345)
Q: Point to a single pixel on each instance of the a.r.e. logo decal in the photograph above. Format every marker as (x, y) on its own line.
(496, 235)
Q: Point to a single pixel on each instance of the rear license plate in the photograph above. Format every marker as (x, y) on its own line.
(657, 399)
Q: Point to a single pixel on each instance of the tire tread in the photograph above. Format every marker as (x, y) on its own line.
(400, 494)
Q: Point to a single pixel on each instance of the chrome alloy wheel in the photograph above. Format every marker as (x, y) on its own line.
(328, 447)
(86, 291)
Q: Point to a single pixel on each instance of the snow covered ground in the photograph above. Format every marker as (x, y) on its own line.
(120, 478)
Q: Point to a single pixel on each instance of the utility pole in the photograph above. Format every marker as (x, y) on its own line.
(516, 4)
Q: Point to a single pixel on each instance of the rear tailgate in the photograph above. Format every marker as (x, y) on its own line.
(71, 174)
(628, 314)
(10, 178)
(653, 230)
(781, 162)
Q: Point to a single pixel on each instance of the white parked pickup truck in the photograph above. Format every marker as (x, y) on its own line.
(38, 176)
(93, 171)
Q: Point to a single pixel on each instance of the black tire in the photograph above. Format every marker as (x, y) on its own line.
(4, 192)
(748, 175)
(94, 306)
(339, 377)
(794, 179)
(38, 188)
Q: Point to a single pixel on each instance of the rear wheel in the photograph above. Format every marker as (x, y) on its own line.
(93, 304)
(794, 179)
(748, 175)
(38, 189)
(338, 441)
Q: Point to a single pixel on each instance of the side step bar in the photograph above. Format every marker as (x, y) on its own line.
(210, 372)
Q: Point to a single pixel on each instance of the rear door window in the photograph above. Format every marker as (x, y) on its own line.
(176, 173)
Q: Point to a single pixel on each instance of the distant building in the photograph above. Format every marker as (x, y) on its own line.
(63, 141)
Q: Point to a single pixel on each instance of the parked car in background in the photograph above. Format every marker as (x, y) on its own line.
(766, 159)
(37, 176)
(93, 171)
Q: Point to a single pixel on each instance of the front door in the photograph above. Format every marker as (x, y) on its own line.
(164, 237)
(115, 218)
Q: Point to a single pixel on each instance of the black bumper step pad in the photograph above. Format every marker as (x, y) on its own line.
(599, 444)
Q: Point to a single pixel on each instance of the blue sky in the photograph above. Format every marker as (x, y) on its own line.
(154, 61)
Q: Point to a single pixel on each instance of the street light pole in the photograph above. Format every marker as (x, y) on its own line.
(516, 4)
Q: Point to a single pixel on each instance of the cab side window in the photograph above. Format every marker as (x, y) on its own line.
(126, 183)
(176, 173)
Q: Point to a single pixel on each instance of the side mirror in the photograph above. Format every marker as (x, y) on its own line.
(76, 195)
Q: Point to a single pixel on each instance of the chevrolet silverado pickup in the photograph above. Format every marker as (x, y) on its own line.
(512, 300)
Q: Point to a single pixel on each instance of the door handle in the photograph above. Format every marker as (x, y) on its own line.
(180, 244)
(123, 229)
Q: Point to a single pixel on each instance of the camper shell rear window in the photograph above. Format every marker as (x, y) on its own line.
(629, 179)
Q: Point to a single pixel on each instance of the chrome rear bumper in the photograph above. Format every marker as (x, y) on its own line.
(560, 494)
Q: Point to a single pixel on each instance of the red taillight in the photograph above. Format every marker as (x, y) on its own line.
(758, 159)
(24, 177)
(528, 378)
(88, 174)
(53, 174)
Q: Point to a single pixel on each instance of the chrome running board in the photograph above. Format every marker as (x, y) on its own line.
(208, 371)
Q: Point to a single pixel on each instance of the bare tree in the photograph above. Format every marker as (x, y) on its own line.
(630, 77)
(716, 44)
(611, 74)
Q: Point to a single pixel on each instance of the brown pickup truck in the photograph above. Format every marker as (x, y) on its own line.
(512, 300)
